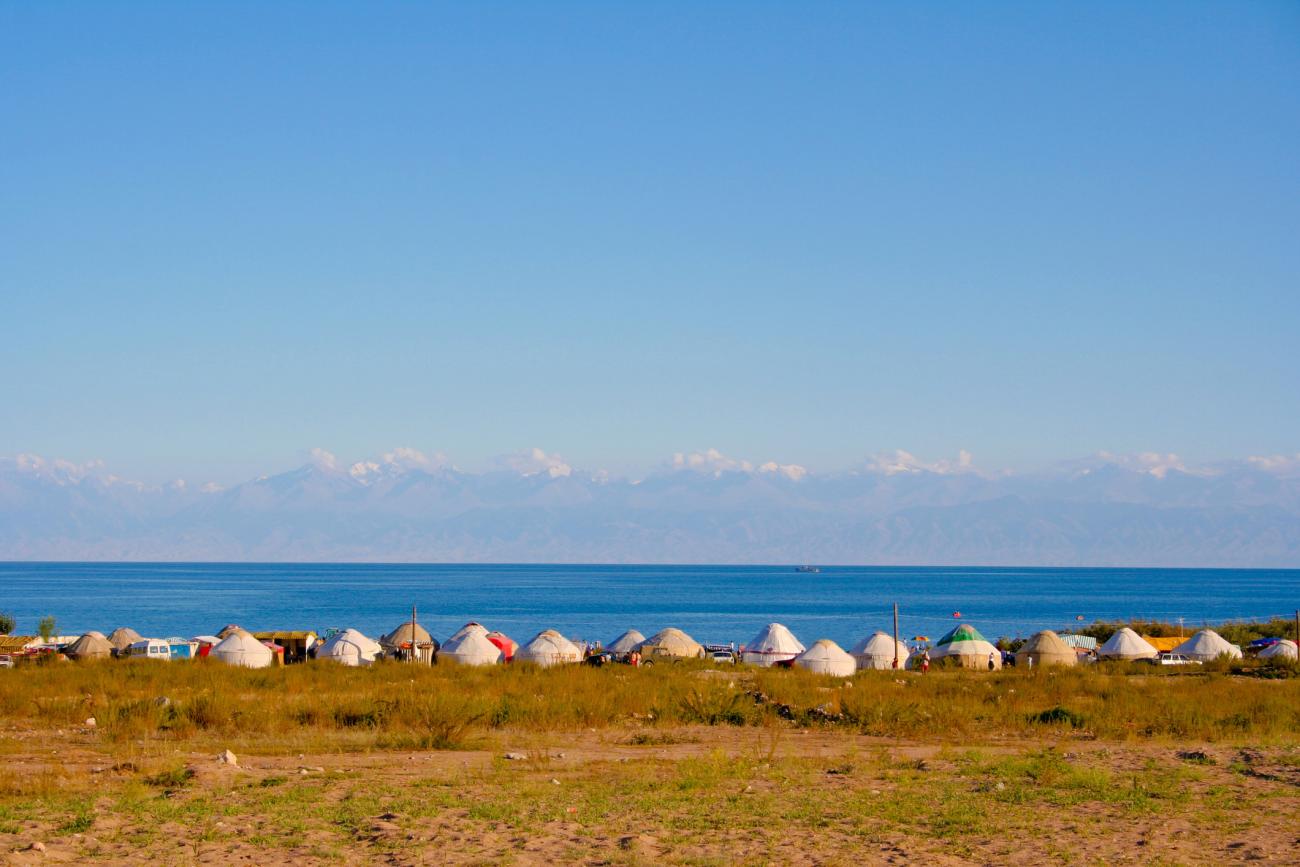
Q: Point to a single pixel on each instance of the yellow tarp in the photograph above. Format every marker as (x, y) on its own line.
(1164, 643)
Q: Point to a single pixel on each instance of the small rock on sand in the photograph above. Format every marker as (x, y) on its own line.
(38, 846)
(228, 758)
(515, 757)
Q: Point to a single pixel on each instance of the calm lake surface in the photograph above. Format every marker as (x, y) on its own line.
(712, 603)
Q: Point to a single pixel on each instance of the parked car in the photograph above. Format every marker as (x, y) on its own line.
(1169, 658)
(724, 657)
(6, 661)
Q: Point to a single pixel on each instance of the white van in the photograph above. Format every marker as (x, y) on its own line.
(151, 648)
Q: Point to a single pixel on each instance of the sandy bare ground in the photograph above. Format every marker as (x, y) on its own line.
(688, 796)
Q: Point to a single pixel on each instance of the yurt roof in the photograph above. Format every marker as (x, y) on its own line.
(402, 635)
(963, 632)
(472, 626)
(824, 648)
(1047, 641)
(90, 644)
(827, 657)
(230, 628)
(240, 641)
(123, 637)
(1207, 644)
(626, 642)
(880, 643)
(1127, 643)
(549, 642)
(674, 641)
(776, 639)
(362, 642)
(473, 646)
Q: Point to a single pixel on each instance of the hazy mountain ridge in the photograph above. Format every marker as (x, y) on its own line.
(1100, 512)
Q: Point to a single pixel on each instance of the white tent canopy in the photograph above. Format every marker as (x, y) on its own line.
(1127, 644)
(242, 649)
(1207, 645)
(1284, 649)
(878, 651)
(827, 657)
(548, 648)
(470, 647)
(773, 644)
(626, 643)
(350, 647)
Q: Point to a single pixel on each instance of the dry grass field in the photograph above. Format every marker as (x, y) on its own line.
(676, 764)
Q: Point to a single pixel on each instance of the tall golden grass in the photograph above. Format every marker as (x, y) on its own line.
(401, 706)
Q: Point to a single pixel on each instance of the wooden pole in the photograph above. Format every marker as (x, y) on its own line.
(895, 635)
(413, 648)
(1297, 627)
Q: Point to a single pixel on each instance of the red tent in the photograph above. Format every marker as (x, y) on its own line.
(505, 644)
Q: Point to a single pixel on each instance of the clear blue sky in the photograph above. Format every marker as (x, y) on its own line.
(799, 231)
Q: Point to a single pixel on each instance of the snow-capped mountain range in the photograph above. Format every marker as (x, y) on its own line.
(1144, 510)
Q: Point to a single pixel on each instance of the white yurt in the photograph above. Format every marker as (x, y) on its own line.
(350, 647)
(965, 646)
(470, 647)
(878, 651)
(547, 648)
(1127, 644)
(626, 643)
(1283, 650)
(827, 657)
(1207, 645)
(242, 649)
(773, 644)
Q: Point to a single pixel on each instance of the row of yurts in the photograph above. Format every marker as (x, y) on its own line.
(473, 644)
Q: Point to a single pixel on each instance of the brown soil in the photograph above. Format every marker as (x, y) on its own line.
(1226, 805)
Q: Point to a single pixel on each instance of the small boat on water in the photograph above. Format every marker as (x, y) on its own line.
(809, 569)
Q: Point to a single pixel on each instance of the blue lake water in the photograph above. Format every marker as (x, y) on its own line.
(712, 603)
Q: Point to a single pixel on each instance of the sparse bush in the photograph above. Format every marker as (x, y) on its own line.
(47, 627)
(1058, 716)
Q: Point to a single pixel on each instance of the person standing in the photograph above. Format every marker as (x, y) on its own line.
(990, 660)
(925, 661)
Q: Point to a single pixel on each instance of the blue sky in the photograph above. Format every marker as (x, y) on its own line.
(798, 232)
